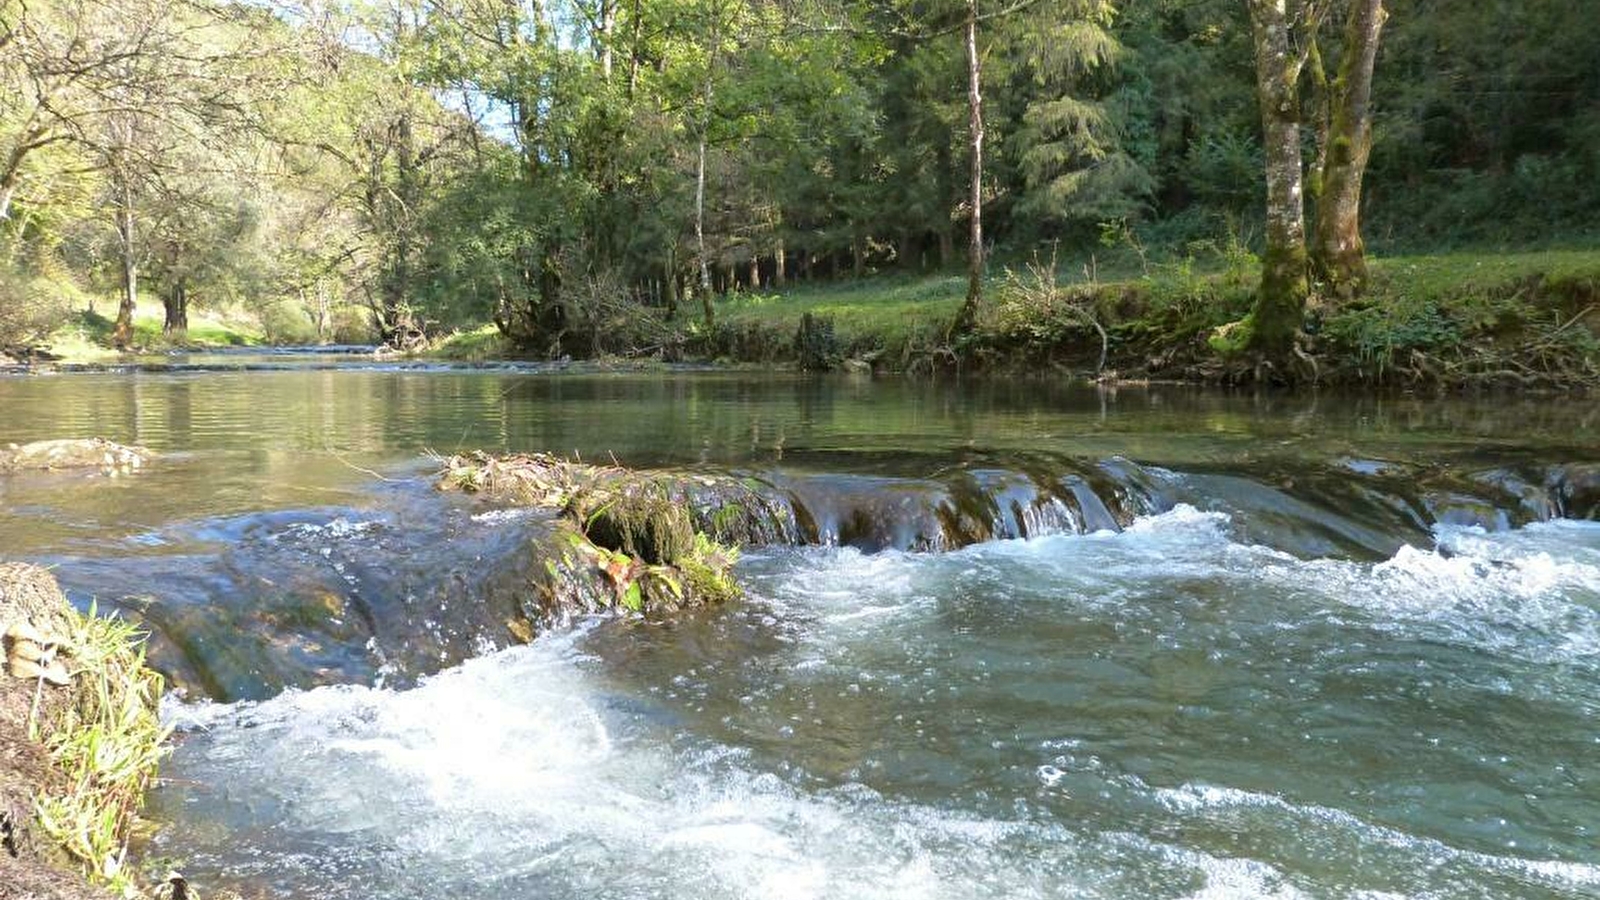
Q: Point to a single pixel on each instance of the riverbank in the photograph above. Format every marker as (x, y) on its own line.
(86, 338)
(81, 738)
(1511, 320)
(1520, 320)
(1527, 320)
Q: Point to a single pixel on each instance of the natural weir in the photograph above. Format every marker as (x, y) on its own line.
(992, 639)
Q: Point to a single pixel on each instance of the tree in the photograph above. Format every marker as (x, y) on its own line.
(1344, 145)
(1281, 296)
(1065, 138)
(967, 317)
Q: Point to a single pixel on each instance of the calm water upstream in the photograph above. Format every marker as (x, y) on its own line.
(1341, 648)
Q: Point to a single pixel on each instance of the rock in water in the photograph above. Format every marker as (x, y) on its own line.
(74, 453)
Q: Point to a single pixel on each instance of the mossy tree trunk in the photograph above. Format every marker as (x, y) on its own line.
(967, 318)
(1281, 297)
(1338, 254)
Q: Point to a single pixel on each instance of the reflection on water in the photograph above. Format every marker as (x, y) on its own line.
(248, 441)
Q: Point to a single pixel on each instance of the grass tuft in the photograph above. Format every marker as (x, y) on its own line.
(108, 746)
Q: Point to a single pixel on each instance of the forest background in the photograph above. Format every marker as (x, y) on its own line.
(798, 180)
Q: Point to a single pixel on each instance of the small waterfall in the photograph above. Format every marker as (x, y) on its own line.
(422, 580)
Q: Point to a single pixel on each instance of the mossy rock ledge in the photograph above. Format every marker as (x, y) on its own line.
(645, 542)
(75, 698)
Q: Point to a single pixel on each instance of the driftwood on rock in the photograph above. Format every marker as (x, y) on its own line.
(73, 453)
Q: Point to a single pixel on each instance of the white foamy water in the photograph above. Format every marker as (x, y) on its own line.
(1162, 713)
(506, 776)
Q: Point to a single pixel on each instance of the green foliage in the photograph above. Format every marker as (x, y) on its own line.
(816, 347)
(33, 305)
(534, 166)
(477, 345)
(281, 323)
(1233, 340)
(1031, 307)
(1524, 318)
(108, 745)
(708, 569)
(1375, 332)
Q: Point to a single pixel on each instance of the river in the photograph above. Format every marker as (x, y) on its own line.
(1274, 645)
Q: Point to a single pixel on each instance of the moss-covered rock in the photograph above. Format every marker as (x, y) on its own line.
(643, 522)
(646, 542)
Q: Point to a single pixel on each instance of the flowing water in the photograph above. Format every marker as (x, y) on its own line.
(1264, 647)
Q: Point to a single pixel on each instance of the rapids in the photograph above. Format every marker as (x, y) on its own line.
(1016, 639)
(1163, 712)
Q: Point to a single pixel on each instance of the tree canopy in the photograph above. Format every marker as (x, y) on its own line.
(559, 167)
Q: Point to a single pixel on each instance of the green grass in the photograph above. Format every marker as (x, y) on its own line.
(891, 309)
(1464, 275)
(1505, 308)
(87, 336)
(482, 343)
(108, 747)
(1490, 305)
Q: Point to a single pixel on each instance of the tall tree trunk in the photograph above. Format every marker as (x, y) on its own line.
(175, 303)
(669, 280)
(1281, 297)
(608, 28)
(122, 332)
(1338, 253)
(778, 274)
(634, 54)
(32, 137)
(967, 318)
(708, 303)
(708, 306)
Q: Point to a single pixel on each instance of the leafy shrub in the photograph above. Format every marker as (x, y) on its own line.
(1374, 334)
(286, 323)
(32, 306)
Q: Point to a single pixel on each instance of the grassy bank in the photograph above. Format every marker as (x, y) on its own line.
(1519, 319)
(478, 345)
(80, 730)
(86, 336)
